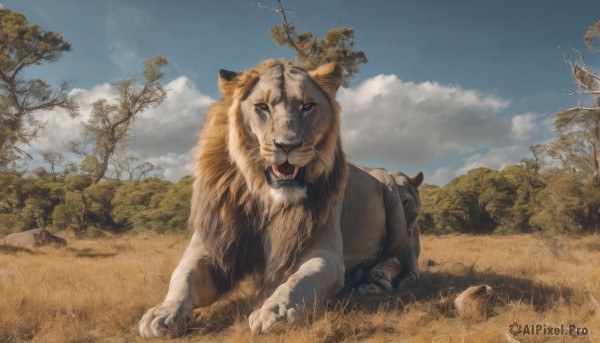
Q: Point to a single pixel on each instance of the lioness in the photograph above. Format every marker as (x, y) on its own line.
(382, 275)
(274, 195)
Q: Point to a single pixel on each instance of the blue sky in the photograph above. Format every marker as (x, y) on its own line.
(450, 85)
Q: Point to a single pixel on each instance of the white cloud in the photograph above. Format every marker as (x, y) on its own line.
(60, 128)
(167, 134)
(175, 123)
(409, 123)
(439, 176)
(174, 166)
(524, 125)
(442, 130)
(497, 158)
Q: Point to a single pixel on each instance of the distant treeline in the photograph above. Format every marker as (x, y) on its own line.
(512, 200)
(75, 203)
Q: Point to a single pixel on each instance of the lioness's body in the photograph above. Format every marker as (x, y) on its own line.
(402, 267)
(273, 194)
(373, 208)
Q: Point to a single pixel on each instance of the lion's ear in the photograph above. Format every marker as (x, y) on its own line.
(227, 81)
(417, 179)
(329, 76)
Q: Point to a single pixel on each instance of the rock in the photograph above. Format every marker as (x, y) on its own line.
(474, 303)
(34, 238)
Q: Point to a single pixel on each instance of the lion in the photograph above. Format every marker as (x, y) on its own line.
(274, 196)
(382, 276)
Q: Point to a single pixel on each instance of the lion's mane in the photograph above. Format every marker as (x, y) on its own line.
(242, 229)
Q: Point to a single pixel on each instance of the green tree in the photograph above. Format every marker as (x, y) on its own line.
(100, 210)
(26, 202)
(153, 204)
(174, 209)
(67, 216)
(429, 217)
(11, 192)
(135, 202)
(563, 204)
(23, 45)
(472, 203)
(54, 159)
(73, 212)
(132, 167)
(591, 36)
(525, 185)
(577, 145)
(312, 51)
(108, 130)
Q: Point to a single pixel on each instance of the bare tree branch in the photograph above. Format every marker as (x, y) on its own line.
(109, 128)
(286, 27)
(291, 40)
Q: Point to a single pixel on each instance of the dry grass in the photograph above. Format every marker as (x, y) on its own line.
(96, 291)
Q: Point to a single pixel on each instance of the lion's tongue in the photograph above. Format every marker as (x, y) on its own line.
(286, 171)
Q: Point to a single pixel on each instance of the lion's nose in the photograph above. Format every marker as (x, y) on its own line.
(287, 147)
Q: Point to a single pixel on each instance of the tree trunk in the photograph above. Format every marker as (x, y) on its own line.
(104, 166)
(592, 222)
(84, 212)
(52, 171)
(596, 172)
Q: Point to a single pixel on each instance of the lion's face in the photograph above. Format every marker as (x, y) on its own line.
(284, 124)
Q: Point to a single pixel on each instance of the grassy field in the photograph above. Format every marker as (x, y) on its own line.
(97, 290)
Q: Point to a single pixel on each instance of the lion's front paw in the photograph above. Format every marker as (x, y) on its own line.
(268, 315)
(369, 288)
(382, 279)
(167, 319)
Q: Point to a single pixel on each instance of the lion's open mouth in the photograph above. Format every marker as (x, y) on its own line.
(285, 171)
(285, 175)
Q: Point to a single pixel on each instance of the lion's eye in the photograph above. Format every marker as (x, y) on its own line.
(308, 107)
(262, 107)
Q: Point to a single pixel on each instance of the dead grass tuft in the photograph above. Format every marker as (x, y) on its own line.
(13, 250)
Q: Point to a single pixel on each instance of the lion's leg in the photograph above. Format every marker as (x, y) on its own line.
(191, 286)
(381, 277)
(410, 262)
(319, 276)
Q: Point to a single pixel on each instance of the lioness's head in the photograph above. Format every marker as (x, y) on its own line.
(283, 126)
(408, 188)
